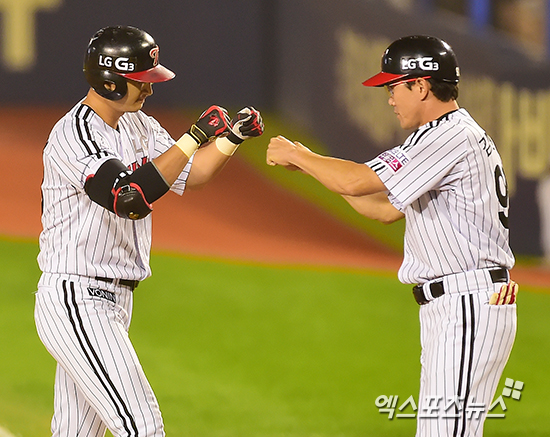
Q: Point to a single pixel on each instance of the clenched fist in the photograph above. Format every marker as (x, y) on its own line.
(247, 123)
(211, 124)
(279, 152)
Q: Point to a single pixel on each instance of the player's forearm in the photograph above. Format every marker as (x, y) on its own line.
(375, 206)
(207, 164)
(171, 163)
(338, 175)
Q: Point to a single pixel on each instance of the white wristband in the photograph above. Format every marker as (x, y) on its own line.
(187, 145)
(225, 146)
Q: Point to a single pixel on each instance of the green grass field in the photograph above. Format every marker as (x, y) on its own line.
(234, 349)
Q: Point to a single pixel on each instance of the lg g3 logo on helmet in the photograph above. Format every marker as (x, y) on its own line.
(154, 53)
(427, 64)
(120, 63)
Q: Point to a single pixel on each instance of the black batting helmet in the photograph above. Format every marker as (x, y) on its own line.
(118, 53)
(417, 56)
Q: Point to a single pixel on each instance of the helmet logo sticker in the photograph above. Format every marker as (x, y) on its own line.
(154, 53)
(120, 63)
(425, 63)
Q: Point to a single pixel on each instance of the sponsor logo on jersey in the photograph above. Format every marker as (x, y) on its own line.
(426, 63)
(102, 294)
(119, 63)
(394, 159)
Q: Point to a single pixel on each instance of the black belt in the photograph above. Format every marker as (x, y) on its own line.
(126, 282)
(437, 289)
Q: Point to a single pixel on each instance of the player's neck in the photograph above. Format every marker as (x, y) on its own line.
(104, 108)
(433, 112)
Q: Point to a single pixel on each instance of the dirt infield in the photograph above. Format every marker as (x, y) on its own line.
(240, 215)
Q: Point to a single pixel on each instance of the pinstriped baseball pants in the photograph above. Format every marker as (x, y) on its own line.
(465, 345)
(99, 381)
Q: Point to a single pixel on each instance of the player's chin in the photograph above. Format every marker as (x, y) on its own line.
(405, 124)
(137, 105)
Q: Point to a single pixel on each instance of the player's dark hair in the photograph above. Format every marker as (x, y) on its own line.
(444, 91)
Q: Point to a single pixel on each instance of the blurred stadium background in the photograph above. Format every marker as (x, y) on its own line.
(301, 62)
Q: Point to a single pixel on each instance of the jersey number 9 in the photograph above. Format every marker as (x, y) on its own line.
(502, 194)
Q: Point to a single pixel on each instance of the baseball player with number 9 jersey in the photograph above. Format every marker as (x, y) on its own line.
(447, 181)
(105, 164)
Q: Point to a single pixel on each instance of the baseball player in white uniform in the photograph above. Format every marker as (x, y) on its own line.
(105, 164)
(447, 181)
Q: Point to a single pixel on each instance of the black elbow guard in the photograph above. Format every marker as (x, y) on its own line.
(130, 202)
(135, 194)
(99, 186)
(128, 195)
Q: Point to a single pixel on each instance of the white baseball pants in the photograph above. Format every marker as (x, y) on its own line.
(465, 345)
(99, 381)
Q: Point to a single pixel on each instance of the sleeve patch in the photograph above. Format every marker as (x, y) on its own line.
(394, 159)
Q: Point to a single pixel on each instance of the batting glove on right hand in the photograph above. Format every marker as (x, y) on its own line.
(211, 124)
(247, 123)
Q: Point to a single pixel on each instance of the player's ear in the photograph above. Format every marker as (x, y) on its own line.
(109, 86)
(424, 87)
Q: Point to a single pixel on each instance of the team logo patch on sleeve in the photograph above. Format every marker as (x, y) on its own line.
(394, 159)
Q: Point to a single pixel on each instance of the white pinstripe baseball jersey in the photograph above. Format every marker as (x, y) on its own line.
(447, 178)
(79, 236)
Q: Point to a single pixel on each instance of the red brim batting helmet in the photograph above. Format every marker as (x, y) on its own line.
(118, 53)
(156, 74)
(417, 56)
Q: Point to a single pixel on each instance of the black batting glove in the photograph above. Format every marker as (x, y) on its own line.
(247, 123)
(212, 123)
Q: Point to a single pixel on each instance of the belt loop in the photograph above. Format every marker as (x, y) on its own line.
(426, 288)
